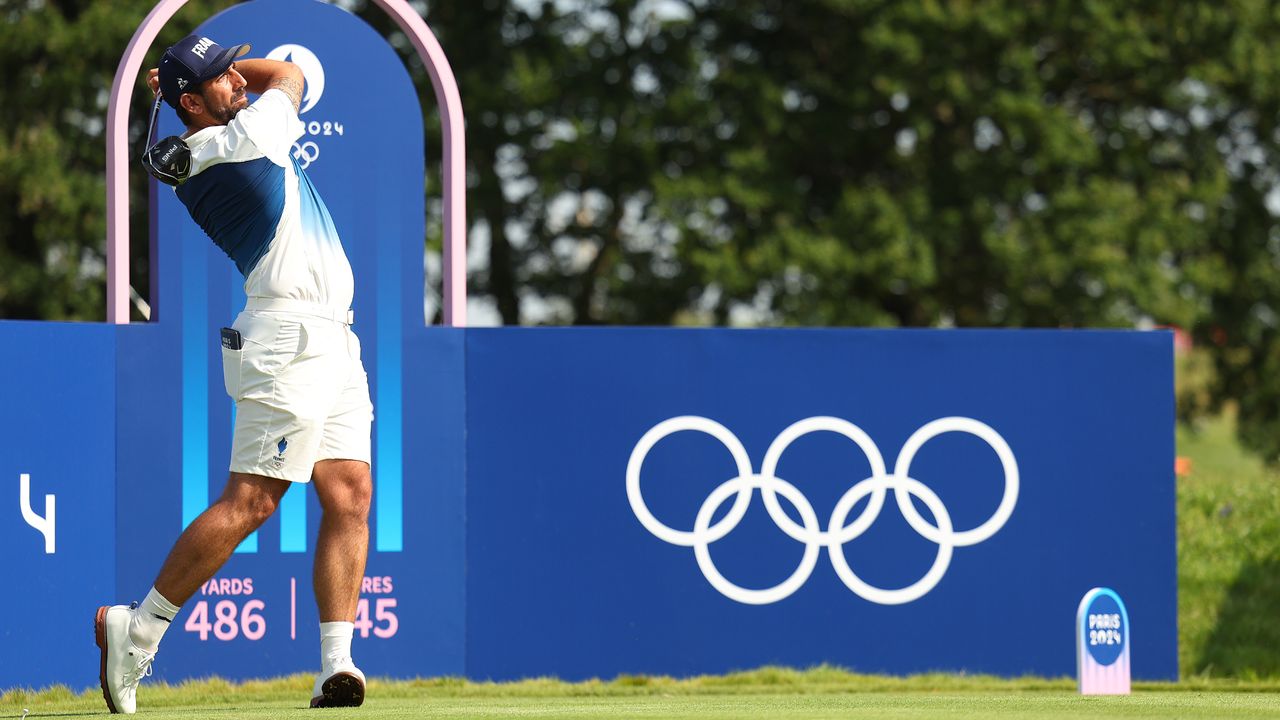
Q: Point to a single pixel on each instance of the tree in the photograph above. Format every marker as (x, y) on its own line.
(60, 58)
(1008, 163)
(976, 164)
(995, 164)
(573, 111)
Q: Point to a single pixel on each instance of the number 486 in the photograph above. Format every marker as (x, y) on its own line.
(224, 626)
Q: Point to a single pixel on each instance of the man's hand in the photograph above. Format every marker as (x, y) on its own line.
(153, 80)
(263, 75)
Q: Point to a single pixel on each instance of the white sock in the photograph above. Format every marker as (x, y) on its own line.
(335, 642)
(151, 620)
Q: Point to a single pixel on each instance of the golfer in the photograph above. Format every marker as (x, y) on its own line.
(290, 361)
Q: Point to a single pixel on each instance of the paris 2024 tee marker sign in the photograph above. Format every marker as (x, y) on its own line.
(1102, 644)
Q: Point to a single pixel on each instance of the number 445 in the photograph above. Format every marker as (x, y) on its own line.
(383, 612)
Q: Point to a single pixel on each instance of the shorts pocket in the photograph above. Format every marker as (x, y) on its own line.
(270, 345)
(231, 360)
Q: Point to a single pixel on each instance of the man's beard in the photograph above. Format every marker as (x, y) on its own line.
(226, 114)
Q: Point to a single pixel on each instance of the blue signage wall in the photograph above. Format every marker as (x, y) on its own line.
(558, 556)
(57, 439)
(525, 552)
(587, 502)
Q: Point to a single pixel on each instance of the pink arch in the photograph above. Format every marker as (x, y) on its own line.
(447, 97)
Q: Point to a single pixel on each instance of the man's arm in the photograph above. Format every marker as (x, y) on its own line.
(262, 75)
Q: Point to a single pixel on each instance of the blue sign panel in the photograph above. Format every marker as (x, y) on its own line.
(592, 502)
(56, 496)
(682, 502)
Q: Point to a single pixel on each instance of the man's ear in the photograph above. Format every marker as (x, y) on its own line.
(192, 103)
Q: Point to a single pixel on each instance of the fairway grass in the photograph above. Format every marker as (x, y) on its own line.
(784, 707)
(766, 693)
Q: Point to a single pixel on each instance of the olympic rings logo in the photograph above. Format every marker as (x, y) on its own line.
(838, 532)
(306, 153)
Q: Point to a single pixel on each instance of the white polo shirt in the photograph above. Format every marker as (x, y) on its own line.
(253, 200)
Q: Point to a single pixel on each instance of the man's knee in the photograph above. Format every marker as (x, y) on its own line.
(258, 508)
(253, 499)
(353, 499)
(345, 489)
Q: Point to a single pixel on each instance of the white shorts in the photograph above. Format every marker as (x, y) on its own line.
(301, 394)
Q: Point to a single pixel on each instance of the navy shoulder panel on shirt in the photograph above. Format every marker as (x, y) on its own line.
(238, 205)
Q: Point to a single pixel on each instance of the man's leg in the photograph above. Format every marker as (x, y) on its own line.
(344, 488)
(129, 638)
(207, 543)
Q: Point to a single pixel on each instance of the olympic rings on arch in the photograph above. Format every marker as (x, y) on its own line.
(306, 153)
(809, 531)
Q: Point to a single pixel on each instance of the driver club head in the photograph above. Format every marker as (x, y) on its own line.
(169, 160)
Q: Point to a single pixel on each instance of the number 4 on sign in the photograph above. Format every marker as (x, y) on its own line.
(198, 620)
(46, 525)
(384, 612)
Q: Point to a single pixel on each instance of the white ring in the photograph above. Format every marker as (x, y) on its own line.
(793, 433)
(810, 533)
(302, 153)
(636, 462)
(919, 588)
(1007, 461)
(702, 551)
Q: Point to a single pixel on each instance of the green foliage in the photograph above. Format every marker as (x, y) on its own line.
(1228, 557)
(1012, 163)
(996, 163)
(574, 110)
(60, 59)
(915, 163)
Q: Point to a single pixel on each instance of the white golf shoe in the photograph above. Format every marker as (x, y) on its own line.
(123, 664)
(338, 685)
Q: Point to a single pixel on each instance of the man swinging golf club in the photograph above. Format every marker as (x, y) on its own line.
(290, 360)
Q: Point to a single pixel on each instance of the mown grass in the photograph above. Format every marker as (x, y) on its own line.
(768, 692)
